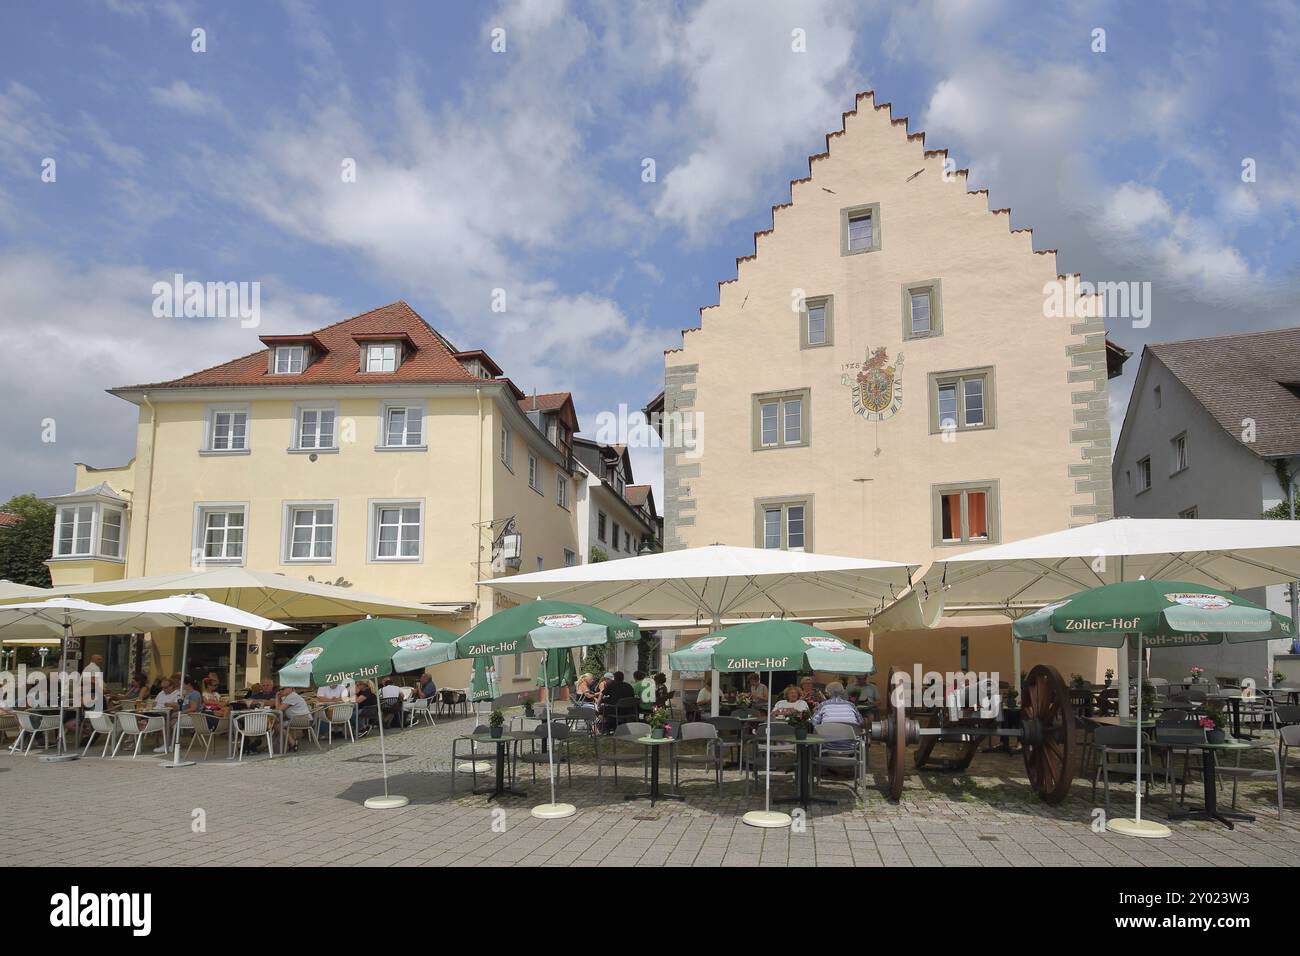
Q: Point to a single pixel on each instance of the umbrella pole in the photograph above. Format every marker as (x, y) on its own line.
(766, 818)
(551, 810)
(176, 755)
(713, 676)
(385, 802)
(1137, 826)
(61, 754)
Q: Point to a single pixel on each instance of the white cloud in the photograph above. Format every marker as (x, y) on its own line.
(183, 98)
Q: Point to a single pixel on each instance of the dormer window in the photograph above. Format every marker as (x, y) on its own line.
(381, 357)
(290, 359)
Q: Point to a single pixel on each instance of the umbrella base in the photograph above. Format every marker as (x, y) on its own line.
(1126, 826)
(59, 758)
(767, 819)
(468, 766)
(554, 811)
(385, 803)
(173, 764)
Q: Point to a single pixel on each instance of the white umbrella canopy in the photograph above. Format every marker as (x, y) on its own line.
(258, 592)
(702, 586)
(10, 591)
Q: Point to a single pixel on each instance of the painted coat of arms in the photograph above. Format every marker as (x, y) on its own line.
(876, 385)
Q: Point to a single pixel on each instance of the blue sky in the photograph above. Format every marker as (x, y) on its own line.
(522, 170)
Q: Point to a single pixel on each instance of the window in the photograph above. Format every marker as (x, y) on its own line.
(507, 448)
(614, 538)
(816, 322)
(1178, 453)
(221, 532)
(1156, 394)
(110, 533)
(859, 229)
(534, 474)
(780, 419)
(73, 535)
(310, 527)
(965, 513)
(1144, 474)
(403, 426)
(396, 530)
(784, 523)
(600, 525)
(226, 429)
(290, 359)
(922, 310)
(381, 357)
(627, 541)
(562, 491)
(541, 563)
(961, 400)
(570, 557)
(1188, 513)
(315, 428)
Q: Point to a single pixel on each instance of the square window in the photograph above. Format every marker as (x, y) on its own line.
(381, 357)
(74, 531)
(965, 513)
(961, 400)
(398, 530)
(290, 359)
(922, 309)
(311, 533)
(784, 524)
(403, 426)
(222, 530)
(315, 428)
(859, 229)
(228, 430)
(780, 419)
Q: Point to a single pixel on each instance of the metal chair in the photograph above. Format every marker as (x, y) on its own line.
(1173, 736)
(30, 725)
(139, 726)
(1238, 772)
(784, 756)
(1284, 714)
(690, 705)
(1118, 742)
(414, 709)
(256, 723)
(336, 715)
(8, 725)
(625, 711)
(560, 740)
(475, 756)
(731, 733)
(206, 727)
(305, 723)
(838, 758)
(711, 757)
(624, 732)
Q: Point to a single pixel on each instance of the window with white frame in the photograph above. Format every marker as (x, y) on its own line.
(398, 530)
(570, 557)
(780, 419)
(1144, 474)
(961, 400)
(89, 530)
(381, 357)
(310, 532)
(562, 491)
(111, 521)
(403, 426)
(1189, 513)
(290, 359)
(227, 429)
(315, 427)
(817, 323)
(507, 448)
(784, 524)
(222, 531)
(1178, 453)
(534, 473)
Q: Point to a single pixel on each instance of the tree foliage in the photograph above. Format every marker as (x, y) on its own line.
(26, 546)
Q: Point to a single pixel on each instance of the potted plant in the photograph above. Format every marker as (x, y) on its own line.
(658, 720)
(800, 720)
(1215, 723)
(496, 723)
(744, 701)
(528, 706)
(1197, 674)
(1110, 675)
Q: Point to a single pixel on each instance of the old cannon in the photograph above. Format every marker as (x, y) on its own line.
(1046, 733)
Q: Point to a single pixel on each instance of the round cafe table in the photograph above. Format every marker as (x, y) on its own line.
(805, 748)
(654, 793)
(1210, 810)
(502, 743)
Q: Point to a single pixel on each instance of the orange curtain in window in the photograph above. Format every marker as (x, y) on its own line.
(976, 513)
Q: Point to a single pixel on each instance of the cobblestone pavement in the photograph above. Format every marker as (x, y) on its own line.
(305, 809)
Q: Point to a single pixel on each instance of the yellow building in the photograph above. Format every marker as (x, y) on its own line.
(370, 453)
(882, 378)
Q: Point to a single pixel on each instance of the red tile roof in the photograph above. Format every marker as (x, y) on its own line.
(546, 401)
(636, 495)
(8, 519)
(433, 362)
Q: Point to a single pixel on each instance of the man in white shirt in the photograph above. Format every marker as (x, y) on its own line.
(169, 697)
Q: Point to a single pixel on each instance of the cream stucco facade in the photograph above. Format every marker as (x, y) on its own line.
(879, 219)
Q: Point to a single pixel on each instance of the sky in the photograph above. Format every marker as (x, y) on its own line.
(600, 164)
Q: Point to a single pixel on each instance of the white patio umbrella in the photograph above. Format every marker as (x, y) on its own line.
(1022, 576)
(699, 586)
(190, 610)
(61, 618)
(12, 591)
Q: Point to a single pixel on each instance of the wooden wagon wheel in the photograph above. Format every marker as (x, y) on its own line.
(1048, 722)
(895, 738)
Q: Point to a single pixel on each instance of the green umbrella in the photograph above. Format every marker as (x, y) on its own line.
(545, 626)
(771, 645)
(483, 682)
(559, 669)
(1165, 614)
(365, 650)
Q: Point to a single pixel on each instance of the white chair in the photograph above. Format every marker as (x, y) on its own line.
(337, 715)
(8, 725)
(256, 723)
(30, 725)
(414, 708)
(101, 723)
(138, 726)
(206, 727)
(855, 759)
(305, 723)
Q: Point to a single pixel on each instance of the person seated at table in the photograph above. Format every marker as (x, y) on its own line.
(212, 700)
(187, 700)
(136, 690)
(809, 692)
(615, 690)
(661, 689)
(390, 702)
(584, 696)
(367, 707)
(290, 705)
(836, 709)
(168, 697)
(426, 689)
(703, 697)
(757, 692)
(644, 689)
(789, 704)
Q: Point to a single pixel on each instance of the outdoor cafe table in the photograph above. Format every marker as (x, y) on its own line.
(502, 743)
(1210, 810)
(654, 793)
(805, 747)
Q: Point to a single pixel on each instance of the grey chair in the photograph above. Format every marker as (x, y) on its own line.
(1284, 714)
(1117, 742)
(609, 752)
(484, 753)
(731, 733)
(1173, 737)
(690, 704)
(834, 758)
(560, 745)
(710, 758)
(785, 758)
(1276, 772)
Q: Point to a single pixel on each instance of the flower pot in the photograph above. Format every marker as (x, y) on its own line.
(496, 731)
(1216, 737)
(528, 710)
(657, 733)
(801, 733)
